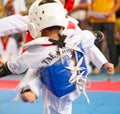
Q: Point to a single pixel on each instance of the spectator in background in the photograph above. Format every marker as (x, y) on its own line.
(2, 10)
(117, 40)
(8, 48)
(8, 45)
(79, 12)
(28, 4)
(15, 7)
(102, 16)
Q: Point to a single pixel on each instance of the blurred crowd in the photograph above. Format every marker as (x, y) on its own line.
(102, 16)
(11, 45)
(97, 15)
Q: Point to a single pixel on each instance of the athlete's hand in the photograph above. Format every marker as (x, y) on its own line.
(28, 96)
(109, 67)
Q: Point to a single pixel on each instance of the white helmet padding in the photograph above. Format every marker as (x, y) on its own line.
(44, 14)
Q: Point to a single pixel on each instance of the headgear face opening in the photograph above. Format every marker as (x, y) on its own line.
(44, 14)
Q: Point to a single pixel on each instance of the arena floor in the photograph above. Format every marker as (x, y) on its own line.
(104, 95)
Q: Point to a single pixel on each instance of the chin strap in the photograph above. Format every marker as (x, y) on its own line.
(60, 43)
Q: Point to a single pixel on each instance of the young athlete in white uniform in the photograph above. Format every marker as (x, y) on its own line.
(20, 24)
(56, 57)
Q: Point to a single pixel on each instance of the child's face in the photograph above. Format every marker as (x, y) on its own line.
(52, 32)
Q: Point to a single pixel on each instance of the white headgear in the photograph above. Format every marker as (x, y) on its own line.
(46, 13)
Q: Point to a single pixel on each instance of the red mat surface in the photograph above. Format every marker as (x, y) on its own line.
(8, 84)
(105, 86)
(95, 86)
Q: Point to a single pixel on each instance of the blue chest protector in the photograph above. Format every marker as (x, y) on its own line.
(56, 76)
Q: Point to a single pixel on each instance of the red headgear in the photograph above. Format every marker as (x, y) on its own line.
(69, 5)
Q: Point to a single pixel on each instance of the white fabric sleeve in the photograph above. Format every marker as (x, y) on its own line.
(31, 81)
(13, 24)
(91, 51)
(95, 56)
(88, 38)
(35, 86)
(17, 65)
(32, 58)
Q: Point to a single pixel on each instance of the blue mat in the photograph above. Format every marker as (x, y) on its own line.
(100, 103)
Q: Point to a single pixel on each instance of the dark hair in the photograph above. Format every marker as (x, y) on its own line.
(53, 27)
(46, 1)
